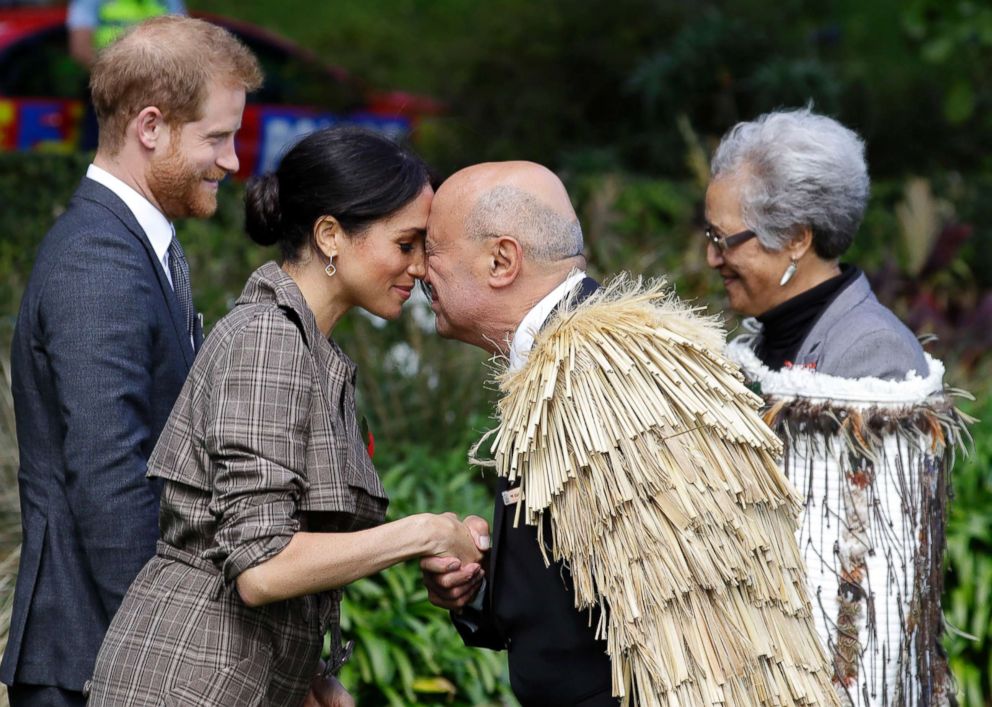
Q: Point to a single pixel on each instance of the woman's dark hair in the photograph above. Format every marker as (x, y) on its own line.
(353, 174)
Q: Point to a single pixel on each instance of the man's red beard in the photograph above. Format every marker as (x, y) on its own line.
(179, 189)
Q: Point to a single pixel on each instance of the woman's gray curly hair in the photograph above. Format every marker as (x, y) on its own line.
(798, 169)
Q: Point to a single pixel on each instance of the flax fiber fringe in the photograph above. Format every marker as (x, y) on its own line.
(629, 428)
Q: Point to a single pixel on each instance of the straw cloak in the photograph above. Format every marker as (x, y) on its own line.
(639, 440)
(871, 459)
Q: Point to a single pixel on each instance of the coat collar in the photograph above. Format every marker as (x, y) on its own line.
(271, 284)
(849, 298)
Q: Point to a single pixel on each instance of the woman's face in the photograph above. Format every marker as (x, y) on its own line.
(379, 269)
(750, 271)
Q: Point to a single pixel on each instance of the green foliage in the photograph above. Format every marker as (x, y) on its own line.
(602, 81)
(40, 187)
(956, 36)
(414, 387)
(968, 596)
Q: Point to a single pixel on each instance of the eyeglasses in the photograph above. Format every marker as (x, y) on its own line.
(725, 243)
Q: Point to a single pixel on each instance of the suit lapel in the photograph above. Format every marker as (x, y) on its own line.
(499, 510)
(94, 191)
(586, 288)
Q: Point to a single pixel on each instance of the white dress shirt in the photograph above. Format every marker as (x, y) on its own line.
(152, 221)
(523, 337)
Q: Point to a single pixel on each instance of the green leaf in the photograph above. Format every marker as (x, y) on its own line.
(938, 50)
(959, 102)
(437, 685)
(378, 653)
(405, 669)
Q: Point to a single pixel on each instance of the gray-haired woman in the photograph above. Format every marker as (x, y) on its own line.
(786, 198)
(859, 405)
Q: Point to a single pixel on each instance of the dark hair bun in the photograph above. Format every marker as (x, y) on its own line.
(353, 174)
(263, 215)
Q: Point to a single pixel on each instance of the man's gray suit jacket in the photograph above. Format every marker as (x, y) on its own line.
(100, 353)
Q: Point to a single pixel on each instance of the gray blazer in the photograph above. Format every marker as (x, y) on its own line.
(100, 353)
(857, 337)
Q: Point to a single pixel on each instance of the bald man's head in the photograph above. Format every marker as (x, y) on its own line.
(523, 200)
(500, 237)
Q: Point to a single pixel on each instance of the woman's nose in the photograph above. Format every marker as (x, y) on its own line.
(418, 266)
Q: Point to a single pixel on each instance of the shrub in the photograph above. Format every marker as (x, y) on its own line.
(968, 595)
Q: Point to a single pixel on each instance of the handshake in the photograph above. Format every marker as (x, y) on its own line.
(453, 575)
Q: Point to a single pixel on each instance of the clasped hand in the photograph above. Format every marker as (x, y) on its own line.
(453, 578)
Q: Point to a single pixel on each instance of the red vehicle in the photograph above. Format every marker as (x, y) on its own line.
(42, 91)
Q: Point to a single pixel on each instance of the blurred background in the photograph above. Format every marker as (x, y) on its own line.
(625, 99)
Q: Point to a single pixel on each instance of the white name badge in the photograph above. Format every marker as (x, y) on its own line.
(511, 496)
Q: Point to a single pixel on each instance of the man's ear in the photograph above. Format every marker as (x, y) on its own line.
(506, 259)
(327, 236)
(151, 128)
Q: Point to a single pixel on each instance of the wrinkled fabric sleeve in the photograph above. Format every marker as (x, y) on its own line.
(256, 437)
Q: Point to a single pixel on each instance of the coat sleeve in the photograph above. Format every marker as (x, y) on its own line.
(95, 330)
(475, 623)
(256, 437)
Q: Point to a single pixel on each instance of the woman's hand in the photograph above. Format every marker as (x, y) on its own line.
(450, 583)
(453, 538)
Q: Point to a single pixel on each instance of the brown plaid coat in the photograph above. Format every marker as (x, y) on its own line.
(262, 442)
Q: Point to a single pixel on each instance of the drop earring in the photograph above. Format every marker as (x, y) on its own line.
(331, 268)
(789, 272)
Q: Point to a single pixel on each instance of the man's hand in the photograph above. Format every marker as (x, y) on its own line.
(449, 584)
(327, 692)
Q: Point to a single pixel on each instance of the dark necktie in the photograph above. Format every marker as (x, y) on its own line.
(179, 270)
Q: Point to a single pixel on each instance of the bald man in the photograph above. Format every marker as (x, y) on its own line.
(643, 537)
(504, 249)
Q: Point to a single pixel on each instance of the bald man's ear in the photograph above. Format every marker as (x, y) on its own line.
(506, 258)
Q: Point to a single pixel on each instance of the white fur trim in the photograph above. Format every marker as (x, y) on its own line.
(790, 383)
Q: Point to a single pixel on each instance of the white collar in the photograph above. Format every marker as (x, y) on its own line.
(152, 221)
(523, 337)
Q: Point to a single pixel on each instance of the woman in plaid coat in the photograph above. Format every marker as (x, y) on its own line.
(270, 502)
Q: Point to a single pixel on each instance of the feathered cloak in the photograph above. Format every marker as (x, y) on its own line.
(872, 460)
(629, 428)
